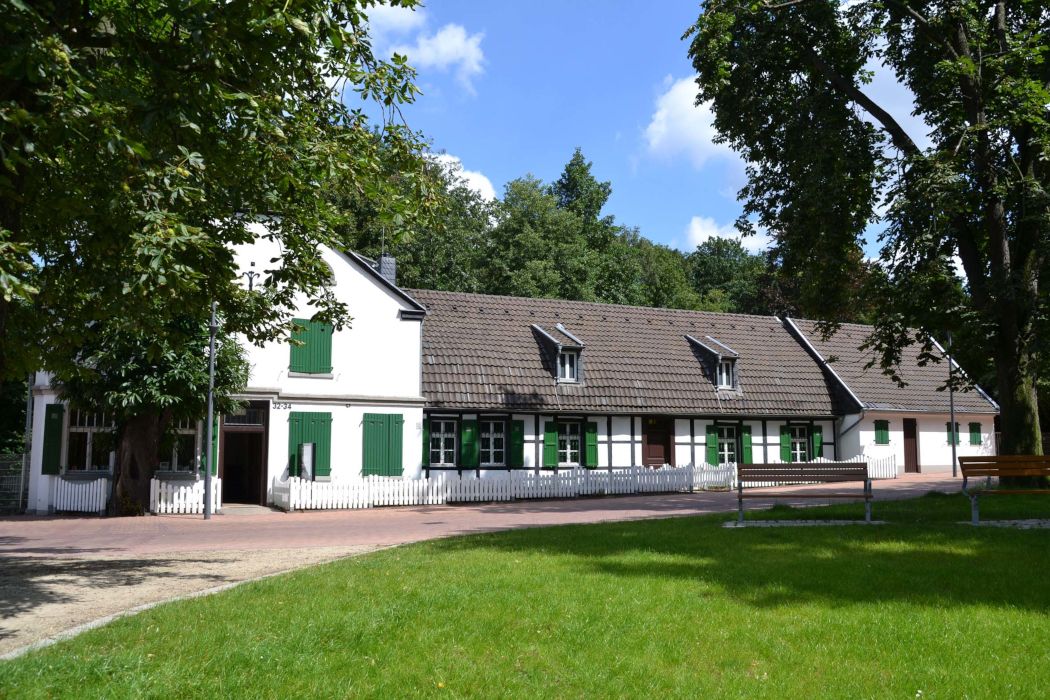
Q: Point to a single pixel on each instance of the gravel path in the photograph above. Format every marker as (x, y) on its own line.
(59, 573)
(45, 596)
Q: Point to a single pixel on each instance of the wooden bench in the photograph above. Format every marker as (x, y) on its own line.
(768, 475)
(1004, 466)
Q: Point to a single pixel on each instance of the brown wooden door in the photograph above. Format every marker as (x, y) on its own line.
(657, 442)
(911, 446)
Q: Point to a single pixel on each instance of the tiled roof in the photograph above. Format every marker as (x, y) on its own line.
(877, 391)
(482, 352)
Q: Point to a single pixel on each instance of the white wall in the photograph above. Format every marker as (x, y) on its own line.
(934, 450)
(378, 354)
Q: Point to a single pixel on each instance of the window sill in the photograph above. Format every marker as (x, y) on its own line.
(311, 375)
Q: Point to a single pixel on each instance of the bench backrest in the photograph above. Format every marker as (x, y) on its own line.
(807, 473)
(1005, 465)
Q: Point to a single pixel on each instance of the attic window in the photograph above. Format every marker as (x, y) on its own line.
(568, 366)
(726, 373)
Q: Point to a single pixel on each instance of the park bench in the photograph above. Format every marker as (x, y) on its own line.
(769, 475)
(1007, 466)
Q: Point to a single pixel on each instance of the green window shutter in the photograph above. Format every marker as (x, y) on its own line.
(816, 438)
(426, 442)
(882, 432)
(516, 458)
(948, 429)
(381, 444)
(975, 433)
(322, 438)
(550, 444)
(785, 443)
(54, 424)
(711, 456)
(468, 444)
(314, 355)
(295, 437)
(590, 454)
(745, 444)
(395, 432)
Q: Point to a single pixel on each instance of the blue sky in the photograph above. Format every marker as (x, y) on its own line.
(513, 87)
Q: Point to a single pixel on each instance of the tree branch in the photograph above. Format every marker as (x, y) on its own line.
(897, 134)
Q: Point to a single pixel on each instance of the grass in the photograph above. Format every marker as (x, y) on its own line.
(921, 607)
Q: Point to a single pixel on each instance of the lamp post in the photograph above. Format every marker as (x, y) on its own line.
(251, 275)
(213, 327)
(951, 405)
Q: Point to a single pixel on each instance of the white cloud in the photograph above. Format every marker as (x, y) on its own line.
(703, 228)
(450, 48)
(385, 22)
(476, 180)
(679, 127)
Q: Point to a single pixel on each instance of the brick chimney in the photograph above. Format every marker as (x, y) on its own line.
(387, 268)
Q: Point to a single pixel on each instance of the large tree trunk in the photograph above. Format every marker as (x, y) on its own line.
(138, 453)
(1015, 376)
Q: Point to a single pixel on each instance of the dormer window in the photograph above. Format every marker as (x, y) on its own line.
(568, 366)
(726, 373)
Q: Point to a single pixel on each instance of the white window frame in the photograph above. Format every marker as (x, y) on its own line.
(89, 423)
(444, 450)
(569, 366)
(799, 443)
(570, 431)
(179, 463)
(726, 373)
(727, 444)
(487, 434)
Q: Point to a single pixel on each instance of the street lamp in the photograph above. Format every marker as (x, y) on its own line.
(213, 327)
(951, 405)
(251, 275)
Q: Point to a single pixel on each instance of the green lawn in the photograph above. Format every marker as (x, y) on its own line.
(922, 607)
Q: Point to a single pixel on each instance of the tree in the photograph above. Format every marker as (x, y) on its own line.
(141, 142)
(13, 416)
(727, 277)
(664, 282)
(787, 85)
(145, 385)
(581, 193)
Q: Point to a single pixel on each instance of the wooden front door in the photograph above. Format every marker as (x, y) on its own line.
(657, 442)
(911, 446)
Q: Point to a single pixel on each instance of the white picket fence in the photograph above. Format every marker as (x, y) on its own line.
(176, 497)
(79, 496)
(450, 487)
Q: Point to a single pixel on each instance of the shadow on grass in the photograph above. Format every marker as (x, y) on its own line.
(923, 557)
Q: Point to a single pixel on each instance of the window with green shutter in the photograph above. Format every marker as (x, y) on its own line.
(975, 434)
(382, 440)
(310, 427)
(948, 430)
(312, 353)
(882, 432)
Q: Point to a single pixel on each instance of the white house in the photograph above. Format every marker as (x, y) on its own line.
(424, 380)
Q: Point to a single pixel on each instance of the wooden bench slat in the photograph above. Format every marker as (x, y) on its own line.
(1003, 466)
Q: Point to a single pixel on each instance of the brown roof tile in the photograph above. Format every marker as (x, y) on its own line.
(481, 352)
(877, 391)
